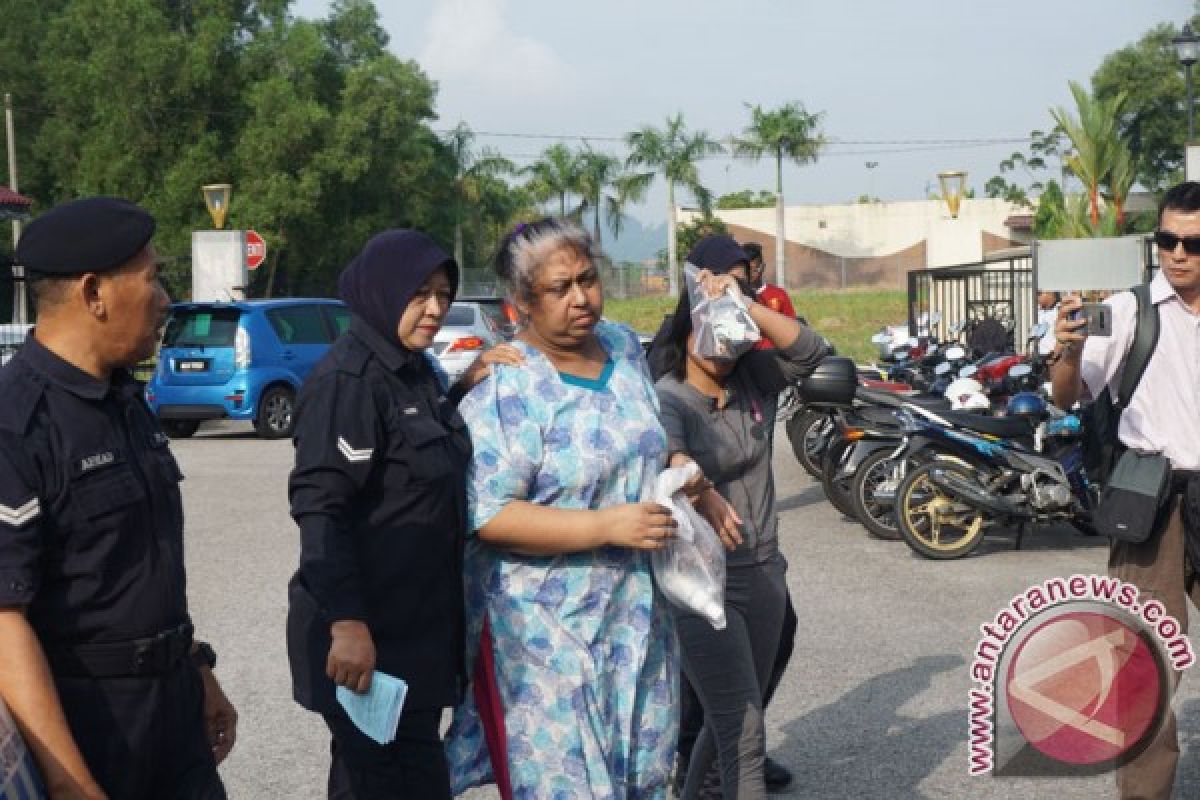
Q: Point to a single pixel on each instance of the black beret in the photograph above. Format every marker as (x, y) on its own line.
(94, 234)
(718, 254)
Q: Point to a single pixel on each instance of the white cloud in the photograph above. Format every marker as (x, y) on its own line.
(471, 41)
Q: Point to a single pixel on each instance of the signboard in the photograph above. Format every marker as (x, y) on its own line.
(256, 250)
(1071, 265)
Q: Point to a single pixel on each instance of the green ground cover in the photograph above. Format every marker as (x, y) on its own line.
(847, 317)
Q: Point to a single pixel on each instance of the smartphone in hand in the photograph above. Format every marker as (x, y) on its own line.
(1099, 318)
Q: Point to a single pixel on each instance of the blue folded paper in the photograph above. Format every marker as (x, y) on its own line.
(377, 712)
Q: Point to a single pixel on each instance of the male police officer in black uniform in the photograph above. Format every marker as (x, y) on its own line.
(97, 661)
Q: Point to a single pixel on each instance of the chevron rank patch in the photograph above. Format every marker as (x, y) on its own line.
(21, 515)
(352, 455)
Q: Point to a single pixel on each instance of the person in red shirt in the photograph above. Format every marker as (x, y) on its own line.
(770, 295)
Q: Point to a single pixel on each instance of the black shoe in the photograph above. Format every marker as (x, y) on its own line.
(776, 775)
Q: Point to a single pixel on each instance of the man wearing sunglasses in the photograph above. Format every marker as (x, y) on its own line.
(1163, 415)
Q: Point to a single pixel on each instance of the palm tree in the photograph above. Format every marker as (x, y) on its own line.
(789, 133)
(674, 152)
(555, 174)
(470, 172)
(1096, 139)
(598, 174)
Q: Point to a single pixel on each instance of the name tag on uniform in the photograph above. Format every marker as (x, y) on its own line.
(96, 461)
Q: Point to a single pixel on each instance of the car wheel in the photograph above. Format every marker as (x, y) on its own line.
(179, 428)
(276, 413)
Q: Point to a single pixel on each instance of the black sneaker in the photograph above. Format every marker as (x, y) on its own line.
(777, 777)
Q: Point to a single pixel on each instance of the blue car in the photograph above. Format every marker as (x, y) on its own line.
(241, 361)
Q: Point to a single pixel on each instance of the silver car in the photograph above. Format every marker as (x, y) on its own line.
(467, 332)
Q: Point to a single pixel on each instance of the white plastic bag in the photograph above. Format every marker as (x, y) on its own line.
(690, 570)
(722, 325)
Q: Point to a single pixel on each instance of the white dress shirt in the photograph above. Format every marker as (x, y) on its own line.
(1164, 414)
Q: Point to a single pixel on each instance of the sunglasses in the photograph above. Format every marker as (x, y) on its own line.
(1169, 241)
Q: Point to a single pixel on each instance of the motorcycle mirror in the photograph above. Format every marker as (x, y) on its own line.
(956, 352)
(942, 368)
(1019, 370)
(968, 371)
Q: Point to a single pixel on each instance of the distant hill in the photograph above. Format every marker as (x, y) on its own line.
(637, 242)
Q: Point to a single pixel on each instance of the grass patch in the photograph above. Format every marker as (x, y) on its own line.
(847, 317)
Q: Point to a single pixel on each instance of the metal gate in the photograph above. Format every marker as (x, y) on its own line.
(999, 290)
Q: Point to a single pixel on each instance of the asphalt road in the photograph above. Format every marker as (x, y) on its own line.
(874, 704)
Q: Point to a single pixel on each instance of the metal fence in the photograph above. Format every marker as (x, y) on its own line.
(620, 281)
(970, 293)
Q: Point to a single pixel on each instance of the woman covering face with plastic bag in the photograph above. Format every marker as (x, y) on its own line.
(718, 400)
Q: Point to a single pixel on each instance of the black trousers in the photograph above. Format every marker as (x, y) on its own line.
(143, 738)
(691, 715)
(412, 767)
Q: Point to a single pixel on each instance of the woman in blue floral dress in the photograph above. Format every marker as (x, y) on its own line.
(574, 688)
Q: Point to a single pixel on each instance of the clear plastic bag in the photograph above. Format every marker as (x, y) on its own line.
(722, 325)
(690, 571)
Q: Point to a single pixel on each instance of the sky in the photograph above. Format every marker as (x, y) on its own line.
(894, 80)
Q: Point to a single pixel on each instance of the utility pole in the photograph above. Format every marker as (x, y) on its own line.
(21, 313)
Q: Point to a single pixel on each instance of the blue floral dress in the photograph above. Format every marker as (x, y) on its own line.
(586, 660)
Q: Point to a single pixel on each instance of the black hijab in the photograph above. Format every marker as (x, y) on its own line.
(381, 280)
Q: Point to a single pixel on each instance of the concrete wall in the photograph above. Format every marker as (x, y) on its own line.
(875, 243)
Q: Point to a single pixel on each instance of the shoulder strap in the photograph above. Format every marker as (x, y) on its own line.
(1145, 339)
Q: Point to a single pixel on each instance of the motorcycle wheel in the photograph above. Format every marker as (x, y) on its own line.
(837, 489)
(878, 473)
(933, 523)
(809, 434)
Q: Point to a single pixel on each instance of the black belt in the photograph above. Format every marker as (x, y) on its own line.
(152, 655)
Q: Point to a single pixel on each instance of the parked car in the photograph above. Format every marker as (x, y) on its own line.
(243, 361)
(468, 330)
(499, 310)
(12, 336)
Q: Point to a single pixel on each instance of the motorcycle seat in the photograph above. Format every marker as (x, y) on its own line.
(1004, 427)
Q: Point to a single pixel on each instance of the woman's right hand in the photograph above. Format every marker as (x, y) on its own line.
(351, 655)
(642, 526)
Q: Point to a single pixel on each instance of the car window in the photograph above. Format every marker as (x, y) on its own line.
(298, 325)
(339, 319)
(201, 327)
(460, 316)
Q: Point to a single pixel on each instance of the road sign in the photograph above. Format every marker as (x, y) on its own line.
(256, 250)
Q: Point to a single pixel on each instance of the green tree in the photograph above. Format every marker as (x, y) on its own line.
(1153, 119)
(785, 133)
(746, 198)
(1096, 139)
(555, 175)
(606, 186)
(673, 152)
(473, 173)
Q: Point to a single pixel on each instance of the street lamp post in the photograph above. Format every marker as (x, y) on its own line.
(1187, 47)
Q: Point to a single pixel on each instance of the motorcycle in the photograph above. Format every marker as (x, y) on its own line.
(978, 473)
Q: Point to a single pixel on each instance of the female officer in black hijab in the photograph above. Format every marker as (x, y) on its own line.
(379, 493)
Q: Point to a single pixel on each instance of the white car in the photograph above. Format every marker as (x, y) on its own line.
(11, 338)
(467, 332)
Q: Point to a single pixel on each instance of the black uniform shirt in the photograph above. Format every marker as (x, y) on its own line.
(379, 493)
(91, 523)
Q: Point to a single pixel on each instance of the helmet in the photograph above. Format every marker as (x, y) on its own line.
(966, 390)
(1027, 404)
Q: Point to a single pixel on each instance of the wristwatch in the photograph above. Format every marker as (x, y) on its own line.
(203, 655)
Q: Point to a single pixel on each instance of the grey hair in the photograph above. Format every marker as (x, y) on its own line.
(526, 249)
